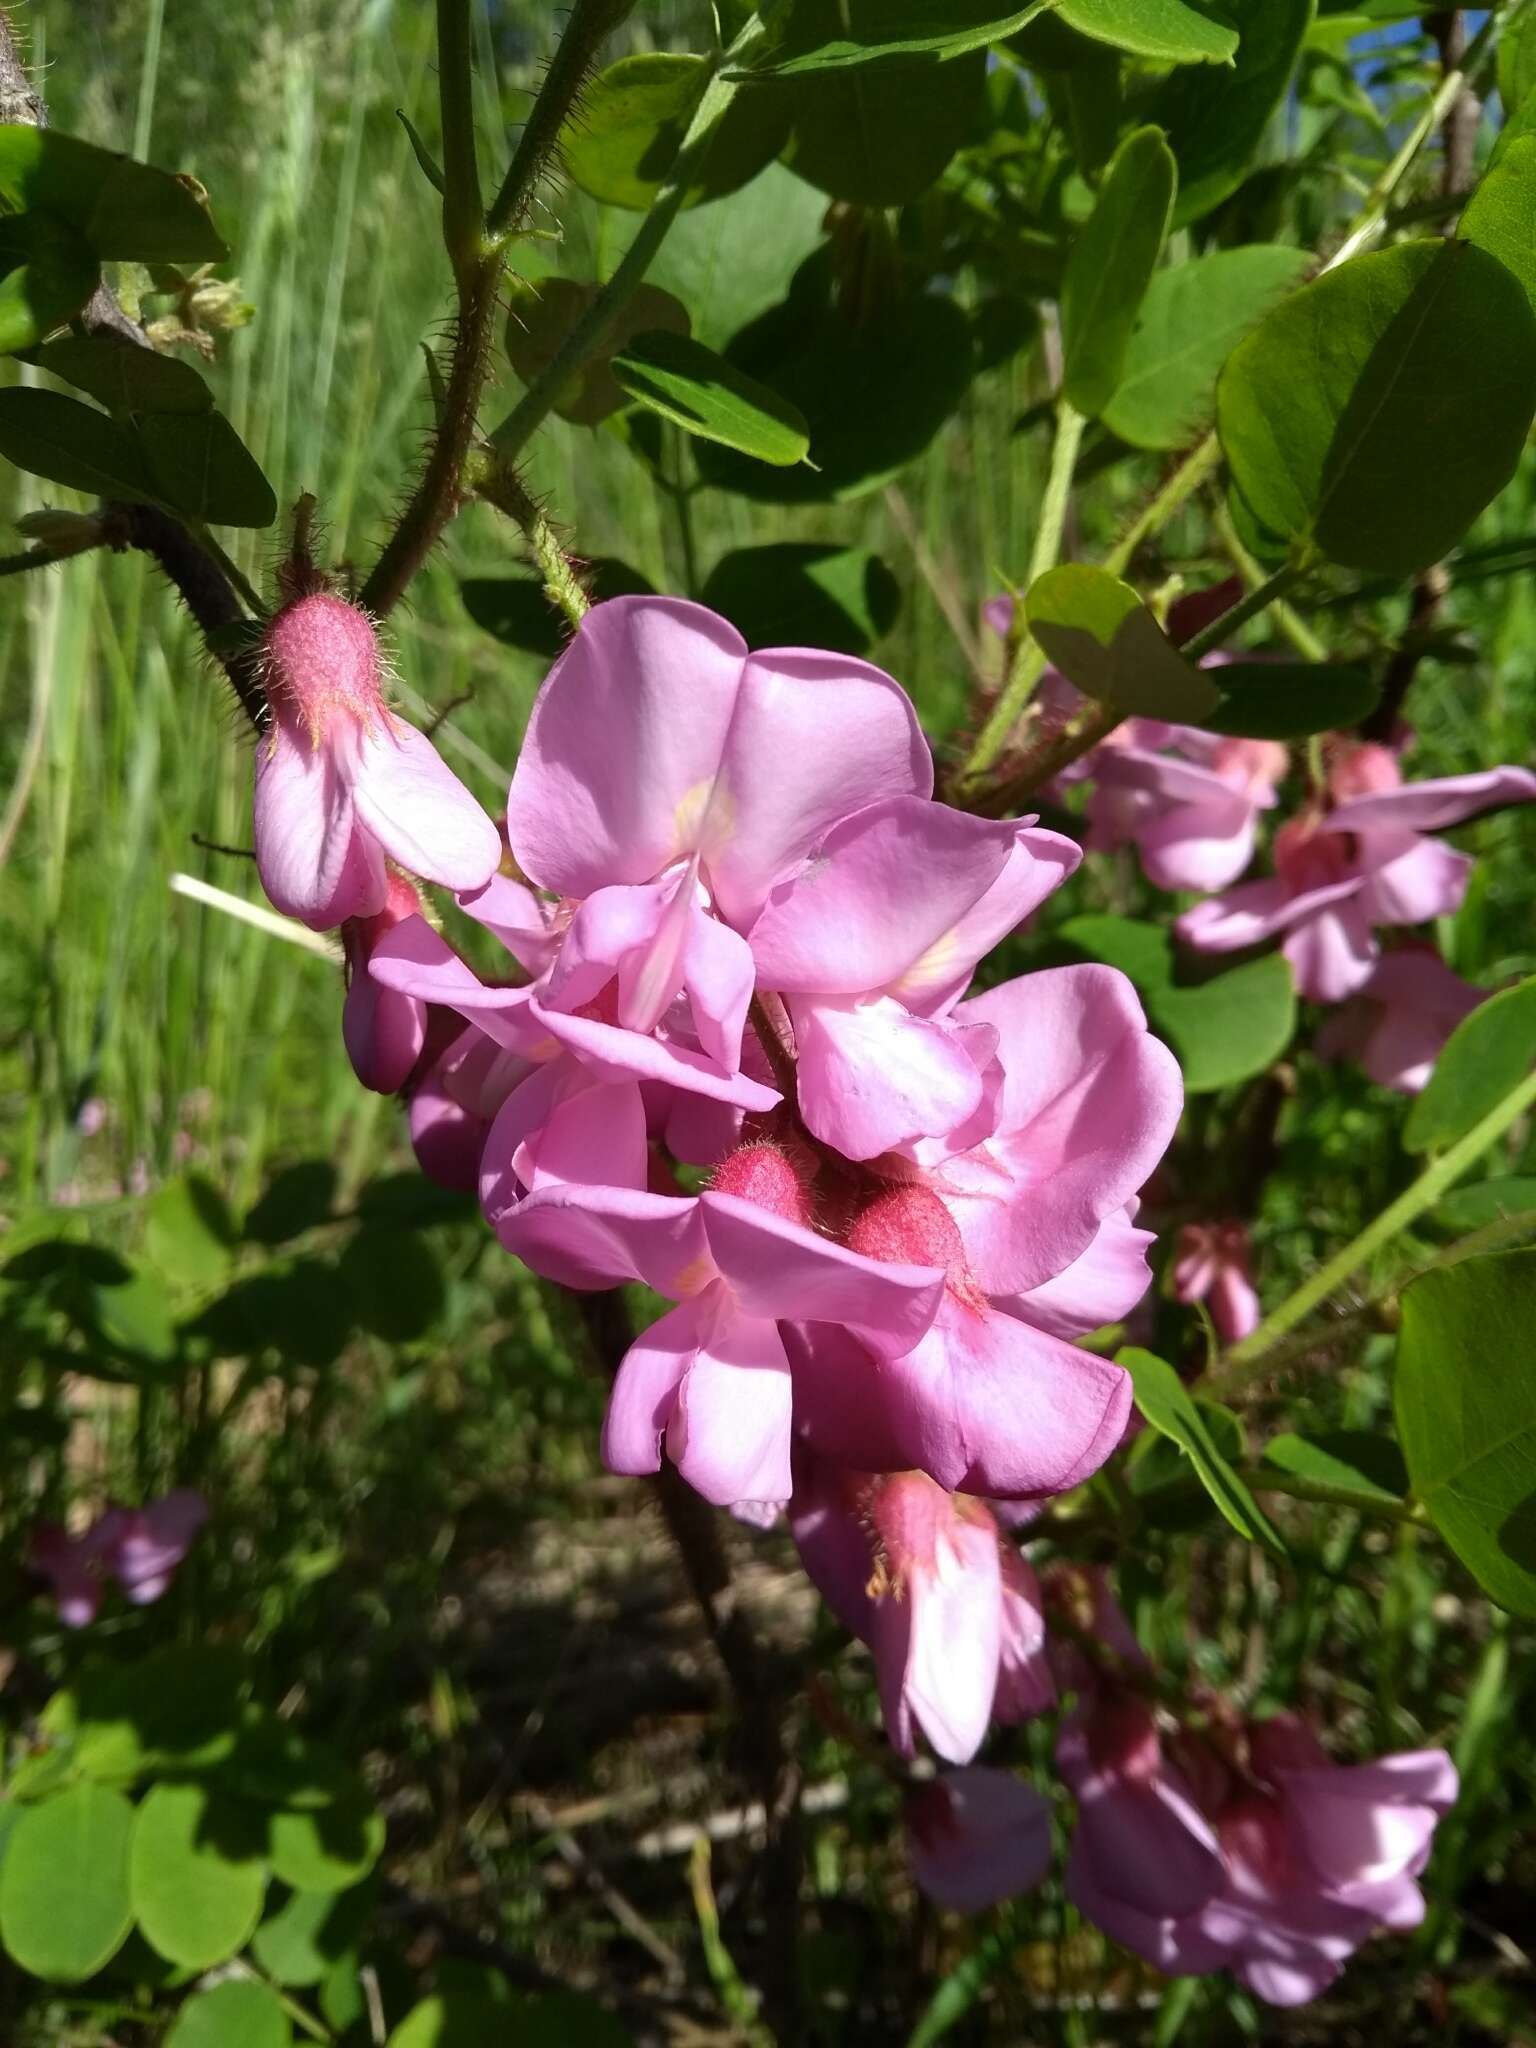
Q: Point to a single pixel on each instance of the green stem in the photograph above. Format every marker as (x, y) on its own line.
(1295, 629)
(1379, 199)
(1200, 463)
(504, 489)
(463, 217)
(1028, 662)
(1247, 607)
(597, 323)
(1248, 1359)
(1265, 1479)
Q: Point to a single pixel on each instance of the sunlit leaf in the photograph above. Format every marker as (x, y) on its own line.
(1109, 268)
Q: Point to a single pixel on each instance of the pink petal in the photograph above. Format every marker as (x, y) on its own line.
(1424, 881)
(1369, 1824)
(1331, 953)
(624, 745)
(884, 895)
(604, 1236)
(719, 975)
(414, 961)
(1025, 1686)
(518, 919)
(1089, 1102)
(871, 1077)
(1142, 1838)
(155, 1542)
(419, 811)
(814, 737)
(833, 1539)
(1101, 1286)
(776, 1268)
(446, 1136)
(383, 1033)
(1433, 806)
(564, 1127)
(937, 1642)
(983, 1404)
(619, 1055)
(1203, 847)
(611, 926)
(645, 1390)
(1254, 911)
(730, 1431)
(313, 863)
(977, 1836)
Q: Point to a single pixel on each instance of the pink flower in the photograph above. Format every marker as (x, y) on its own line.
(1362, 862)
(139, 1547)
(383, 1031)
(1249, 1850)
(1212, 1263)
(1025, 1213)
(341, 782)
(711, 1380)
(872, 944)
(1398, 1024)
(1189, 806)
(658, 744)
(949, 1609)
(977, 1836)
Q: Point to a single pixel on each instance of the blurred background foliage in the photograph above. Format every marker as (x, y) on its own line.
(218, 1246)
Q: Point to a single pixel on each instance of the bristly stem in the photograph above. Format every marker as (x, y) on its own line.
(505, 489)
(589, 22)
(463, 215)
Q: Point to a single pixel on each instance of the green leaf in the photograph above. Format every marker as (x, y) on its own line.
(1169, 31)
(301, 1942)
(1105, 641)
(203, 469)
(804, 594)
(706, 395)
(880, 135)
(1517, 62)
(68, 443)
(330, 1834)
(1344, 402)
(1466, 1413)
(454, 2021)
(823, 35)
(515, 610)
(1286, 700)
(1354, 1460)
(127, 211)
(395, 1282)
(1191, 319)
(567, 2019)
(1166, 1403)
(1231, 1027)
(47, 273)
(1223, 1030)
(296, 1199)
(727, 263)
(1110, 266)
(873, 396)
(196, 1874)
(134, 1316)
(1215, 120)
(1500, 217)
(189, 1234)
(1485, 1202)
(234, 2015)
(1484, 1057)
(176, 1710)
(123, 377)
(64, 1904)
(619, 147)
(541, 315)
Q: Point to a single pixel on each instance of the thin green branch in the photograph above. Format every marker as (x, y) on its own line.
(505, 489)
(1257, 600)
(1267, 1479)
(1250, 1359)
(463, 215)
(597, 323)
(1291, 624)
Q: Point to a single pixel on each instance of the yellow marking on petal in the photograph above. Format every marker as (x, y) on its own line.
(939, 964)
(693, 1278)
(704, 812)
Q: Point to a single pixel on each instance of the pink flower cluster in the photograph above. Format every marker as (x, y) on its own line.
(742, 931)
(139, 1548)
(734, 1057)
